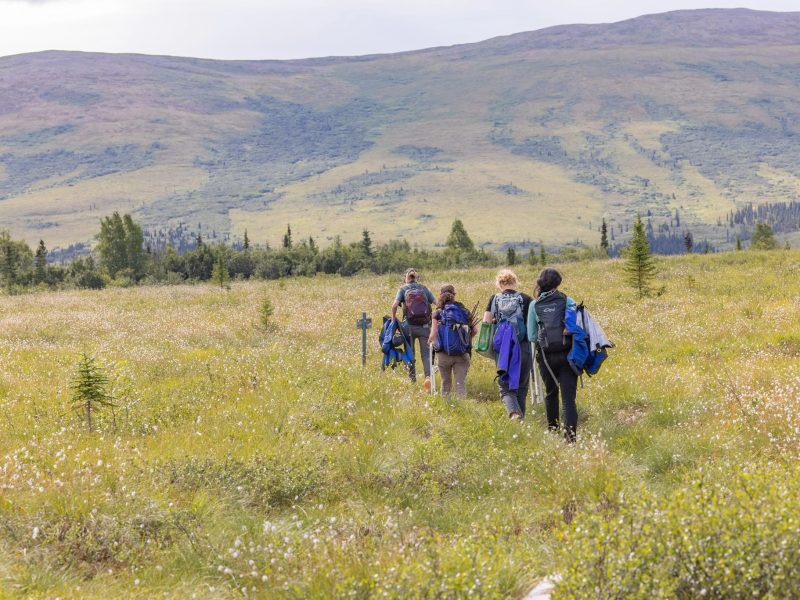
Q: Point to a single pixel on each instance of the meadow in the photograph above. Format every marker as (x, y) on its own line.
(240, 461)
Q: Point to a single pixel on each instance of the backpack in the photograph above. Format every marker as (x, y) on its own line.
(453, 336)
(417, 309)
(508, 308)
(551, 336)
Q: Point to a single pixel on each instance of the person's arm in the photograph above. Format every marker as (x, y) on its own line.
(434, 331)
(533, 326)
(488, 317)
(395, 306)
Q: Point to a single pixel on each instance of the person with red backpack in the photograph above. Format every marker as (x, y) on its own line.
(451, 337)
(416, 301)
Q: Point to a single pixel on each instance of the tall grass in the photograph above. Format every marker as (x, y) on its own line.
(270, 464)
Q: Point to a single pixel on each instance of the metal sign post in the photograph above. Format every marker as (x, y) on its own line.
(363, 324)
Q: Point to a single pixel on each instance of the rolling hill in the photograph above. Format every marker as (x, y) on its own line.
(528, 137)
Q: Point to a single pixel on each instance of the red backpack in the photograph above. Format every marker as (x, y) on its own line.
(416, 306)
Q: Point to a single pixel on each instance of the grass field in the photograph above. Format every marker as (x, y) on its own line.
(240, 462)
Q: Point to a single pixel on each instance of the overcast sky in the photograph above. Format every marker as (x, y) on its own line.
(277, 29)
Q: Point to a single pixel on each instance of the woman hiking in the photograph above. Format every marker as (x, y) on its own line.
(416, 301)
(509, 309)
(547, 327)
(451, 336)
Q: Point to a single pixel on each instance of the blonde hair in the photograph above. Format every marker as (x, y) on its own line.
(506, 279)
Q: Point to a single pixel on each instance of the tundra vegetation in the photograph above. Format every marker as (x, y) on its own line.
(240, 462)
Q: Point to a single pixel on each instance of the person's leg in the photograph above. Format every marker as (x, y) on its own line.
(569, 388)
(550, 393)
(460, 368)
(421, 333)
(446, 364)
(508, 398)
(525, 375)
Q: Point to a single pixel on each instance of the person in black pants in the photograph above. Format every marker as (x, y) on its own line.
(546, 325)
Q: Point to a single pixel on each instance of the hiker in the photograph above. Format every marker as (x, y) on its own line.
(416, 300)
(509, 309)
(550, 321)
(451, 336)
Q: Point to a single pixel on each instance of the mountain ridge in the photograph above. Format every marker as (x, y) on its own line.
(641, 116)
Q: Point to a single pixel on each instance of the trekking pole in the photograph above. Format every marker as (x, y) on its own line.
(433, 372)
(536, 382)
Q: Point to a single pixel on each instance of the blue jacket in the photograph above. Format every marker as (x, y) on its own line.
(392, 355)
(508, 353)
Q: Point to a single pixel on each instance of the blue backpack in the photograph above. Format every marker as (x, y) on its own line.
(453, 336)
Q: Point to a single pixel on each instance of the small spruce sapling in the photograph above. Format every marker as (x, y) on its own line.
(640, 268)
(265, 312)
(90, 388)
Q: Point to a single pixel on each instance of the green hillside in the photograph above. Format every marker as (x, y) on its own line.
(695, 111)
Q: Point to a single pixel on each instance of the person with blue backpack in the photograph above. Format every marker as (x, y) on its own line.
(509, 310)
(451, 337)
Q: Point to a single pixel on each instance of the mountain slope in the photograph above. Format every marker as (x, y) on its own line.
(694, 111)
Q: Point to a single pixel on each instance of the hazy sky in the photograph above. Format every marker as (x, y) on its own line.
(249, 29)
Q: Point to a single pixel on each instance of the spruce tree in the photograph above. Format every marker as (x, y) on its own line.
(688, 242)
(763, 238)
(640, 268)
(287, 238)
(366, 243)
(89, 388)
(40, 263)
(533, 260)
(542, 254)
(738, 243)
(511, 256)
(604, 236)
(246, 243)
(219, 274)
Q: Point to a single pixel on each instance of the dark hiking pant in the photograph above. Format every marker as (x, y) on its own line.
(515, 400)
(421, 333)
(567, 382)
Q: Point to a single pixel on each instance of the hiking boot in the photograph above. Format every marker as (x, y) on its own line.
(515, 416)
(427, 384)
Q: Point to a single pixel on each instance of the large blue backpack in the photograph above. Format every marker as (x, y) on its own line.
(453, 336)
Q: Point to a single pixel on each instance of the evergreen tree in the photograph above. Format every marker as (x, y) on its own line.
(688, 242)
(763, 238)
(542, 254)
(246, 243)
(287, 238)
(639, 267)
(511, 256)
(677, 219)
(738, 243)
(219, 273)
(312, 245)
(532, 258)
(40, 263)
(366, 243)
(89, 388)
(604, 236)
(459, 238)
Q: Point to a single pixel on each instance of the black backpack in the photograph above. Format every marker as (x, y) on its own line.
(551, 336)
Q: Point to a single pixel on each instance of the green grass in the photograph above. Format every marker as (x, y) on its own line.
(238, 458)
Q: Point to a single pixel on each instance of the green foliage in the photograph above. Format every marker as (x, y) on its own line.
(16, 262)
(604, 236)
(459, 239)
(219, 272)
(511, 256)
(90, 388)
(366, 243)
(287, 238)
(120, 246)
(40, 263)
(727, 534)
(763, 238)
(688, 242)
(640, 268)
(265, 311)
(542, 254)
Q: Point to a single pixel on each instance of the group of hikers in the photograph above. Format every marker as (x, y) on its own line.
(515, 328)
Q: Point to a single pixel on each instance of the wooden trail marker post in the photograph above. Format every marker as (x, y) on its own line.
(363, 324)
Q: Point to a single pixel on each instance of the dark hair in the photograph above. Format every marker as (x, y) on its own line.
(548, 280)
(447, 296)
